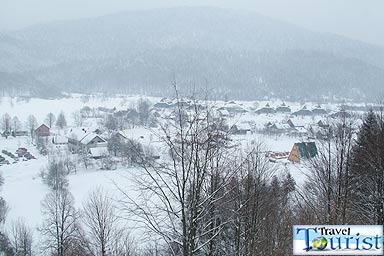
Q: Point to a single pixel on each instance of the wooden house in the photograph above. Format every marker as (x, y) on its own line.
(80, 140)
(318, 110)
(42, 131)
(240, 128)
(266, 110)
(302, 150)
(283, 108)
(303, 112)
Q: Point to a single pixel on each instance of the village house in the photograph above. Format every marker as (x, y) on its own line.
(303, 112)
(283, 108)
(301, 151)
(81, 140)
(318, 132)
(233, 108)
(240, 128)
(42, 131)
(319, 111)
(266, 110)
(279, 128)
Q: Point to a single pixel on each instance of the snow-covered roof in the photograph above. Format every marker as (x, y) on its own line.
(282, 126)
(77, 133)
(89, 137)
(83, 135)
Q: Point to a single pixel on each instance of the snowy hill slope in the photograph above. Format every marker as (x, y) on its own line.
(228, 51)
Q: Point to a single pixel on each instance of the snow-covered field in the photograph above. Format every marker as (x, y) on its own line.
(41, 107)
(24, 190)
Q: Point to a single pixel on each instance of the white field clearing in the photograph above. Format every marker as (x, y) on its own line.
(24, 189)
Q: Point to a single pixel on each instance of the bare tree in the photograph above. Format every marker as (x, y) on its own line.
(16, 124)
(60, 229)
(31, 124)
(104, 231)
(50, 119)
(61, 122)
(78, 118)
(143, 106)
(21, 238)
(56, 176)
(83, 157)
(175, 192)
(110, 122)
(327, 192)
(6, 122)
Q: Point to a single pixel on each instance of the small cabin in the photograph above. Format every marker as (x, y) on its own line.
(42, 131)
(301, 151)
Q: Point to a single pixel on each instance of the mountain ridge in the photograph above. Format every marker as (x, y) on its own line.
(243, 49)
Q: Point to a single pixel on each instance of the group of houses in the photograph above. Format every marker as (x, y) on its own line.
(284, 109)
(78, 140)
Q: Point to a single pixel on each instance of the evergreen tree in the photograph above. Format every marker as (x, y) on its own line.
(368, 171)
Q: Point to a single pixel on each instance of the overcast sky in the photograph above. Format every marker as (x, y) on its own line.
(358, 19)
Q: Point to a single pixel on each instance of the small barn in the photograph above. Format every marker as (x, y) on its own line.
(302, 150)
(42, 131)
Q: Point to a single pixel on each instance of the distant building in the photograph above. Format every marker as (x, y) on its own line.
(319, 111)
(303, 112)
(240, 128)
(279, 128)
(234, 109)
(79, 140)
(42, 131)
(266, 110)
(302, 150)
(283, 109)
(318, 132)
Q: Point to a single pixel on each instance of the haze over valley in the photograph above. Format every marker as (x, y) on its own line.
(235, 54)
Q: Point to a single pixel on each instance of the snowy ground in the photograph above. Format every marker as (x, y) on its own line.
(41, 107)
(24, 190)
